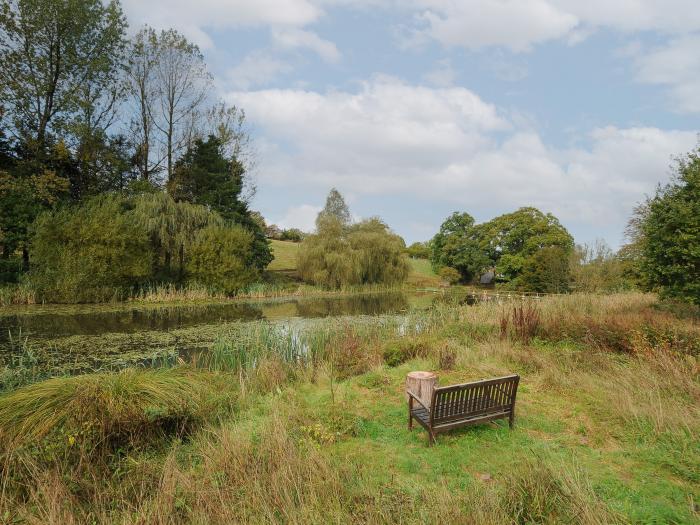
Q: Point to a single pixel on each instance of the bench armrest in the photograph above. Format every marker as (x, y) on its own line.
(411, 394)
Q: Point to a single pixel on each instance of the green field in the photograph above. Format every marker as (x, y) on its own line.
(285, 253)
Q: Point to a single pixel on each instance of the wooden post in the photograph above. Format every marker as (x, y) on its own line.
(421, 384)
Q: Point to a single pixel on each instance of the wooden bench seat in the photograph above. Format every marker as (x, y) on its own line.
(466, 404)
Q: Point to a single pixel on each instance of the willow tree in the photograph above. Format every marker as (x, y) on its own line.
(172, 227)
(339, 255)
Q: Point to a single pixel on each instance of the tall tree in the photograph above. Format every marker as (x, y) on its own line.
(141, 88)
(169, 85)
(512, 239)
(183, 86)
(203, 175)
(670, 233)
(58, 58)
(335, 209)
(456, 245)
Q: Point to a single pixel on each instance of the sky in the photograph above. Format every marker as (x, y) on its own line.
(414, 109)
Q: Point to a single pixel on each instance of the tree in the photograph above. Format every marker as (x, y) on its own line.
(58, 58)
(183, 86)
(141, 88)
(596, 268)
(457, 245)
(339, 255)
(93, 252)
(510, 240)
(670, 234)
(168, 84)
(546, 271)
(204, 176)
(335, 208)
(419, 250)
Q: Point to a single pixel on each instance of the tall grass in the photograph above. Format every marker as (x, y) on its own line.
(309, 343)
(259, 449)
(103, 409)
(17, 294)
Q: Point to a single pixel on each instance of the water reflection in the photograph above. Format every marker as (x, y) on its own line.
(47, 324)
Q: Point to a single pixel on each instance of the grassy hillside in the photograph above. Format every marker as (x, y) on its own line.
(422, 274)
(285, 253)
(607, 425)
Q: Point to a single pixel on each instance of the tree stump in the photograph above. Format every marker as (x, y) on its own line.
(421, 385)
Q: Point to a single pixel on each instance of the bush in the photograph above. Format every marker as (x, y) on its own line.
(94, 252)
(399, 351)
(221, 257)
(365, 253)
(292, 234)
(449, 275)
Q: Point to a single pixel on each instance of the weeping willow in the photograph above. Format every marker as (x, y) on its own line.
(172, 227)
(364, 253)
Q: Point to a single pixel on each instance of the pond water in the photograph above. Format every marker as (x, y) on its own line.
(55, 321)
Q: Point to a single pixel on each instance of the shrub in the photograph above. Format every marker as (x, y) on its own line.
(399, 351)
(93, 252)
(222, 258)
(449, 275)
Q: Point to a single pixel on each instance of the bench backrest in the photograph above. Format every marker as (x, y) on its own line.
(480, 397)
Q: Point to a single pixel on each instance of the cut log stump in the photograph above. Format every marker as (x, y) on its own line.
(421, 385)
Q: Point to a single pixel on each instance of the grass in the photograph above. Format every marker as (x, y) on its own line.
(307, 424)
(422, 274)
(285, 256)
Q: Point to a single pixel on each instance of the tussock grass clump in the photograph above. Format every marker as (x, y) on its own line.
(539, 491)
(99, 413)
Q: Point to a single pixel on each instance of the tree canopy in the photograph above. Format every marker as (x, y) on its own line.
(341, 254)
(669, 234)
(511, 243)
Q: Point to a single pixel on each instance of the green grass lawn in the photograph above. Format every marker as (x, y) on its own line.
(422, 274)
(285, 253)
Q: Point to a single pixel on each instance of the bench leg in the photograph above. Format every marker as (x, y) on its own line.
(431, 438)
(511, 419)
(410, 417)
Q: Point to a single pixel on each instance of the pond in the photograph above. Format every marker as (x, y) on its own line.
(56, 321)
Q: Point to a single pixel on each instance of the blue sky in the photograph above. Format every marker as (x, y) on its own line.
(414, 109)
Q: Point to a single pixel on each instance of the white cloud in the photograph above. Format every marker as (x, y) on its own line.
(192, 19)
(516, 24)
(664, 16)
(520, 24)
(293, 38)
(302, 217)
(676, 65)
(448, 145)
(255, 69)
(443, 75)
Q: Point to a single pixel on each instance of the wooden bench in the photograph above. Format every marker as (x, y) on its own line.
(466, 404)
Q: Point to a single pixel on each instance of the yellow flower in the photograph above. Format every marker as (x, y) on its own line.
(71, 440)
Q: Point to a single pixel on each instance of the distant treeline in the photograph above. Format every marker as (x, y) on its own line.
(530, 250)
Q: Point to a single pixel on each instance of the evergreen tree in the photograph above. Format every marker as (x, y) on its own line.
(204, 176)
